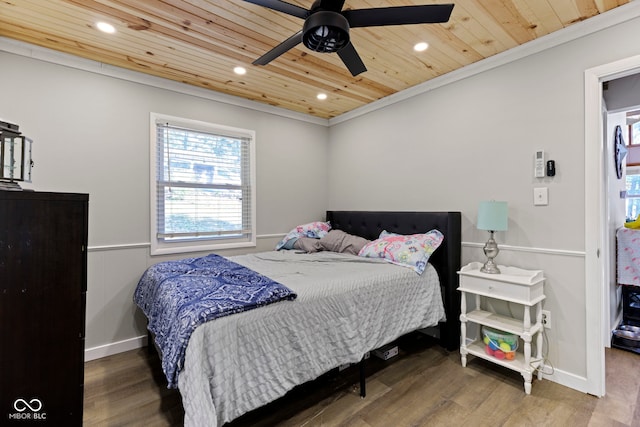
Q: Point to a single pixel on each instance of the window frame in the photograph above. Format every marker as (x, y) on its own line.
(162, 247)
(632, 141)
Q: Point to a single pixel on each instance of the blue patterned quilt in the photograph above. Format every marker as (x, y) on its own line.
(178, 296)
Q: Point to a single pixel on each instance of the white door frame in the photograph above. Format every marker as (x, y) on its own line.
(596, 247)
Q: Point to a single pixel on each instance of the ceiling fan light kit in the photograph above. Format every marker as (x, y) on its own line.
(325, 31)
(326, 26)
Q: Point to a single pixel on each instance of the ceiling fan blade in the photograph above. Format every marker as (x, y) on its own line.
(335, 5)
(352, 60)
(289, 43)
(280, 6)
(399, 15)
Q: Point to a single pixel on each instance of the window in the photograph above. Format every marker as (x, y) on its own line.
(634, 133)
(202, 186)
(632, 199)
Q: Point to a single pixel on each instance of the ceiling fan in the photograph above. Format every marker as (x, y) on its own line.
(326, 26)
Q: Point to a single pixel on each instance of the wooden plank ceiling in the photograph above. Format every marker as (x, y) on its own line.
(199, 42)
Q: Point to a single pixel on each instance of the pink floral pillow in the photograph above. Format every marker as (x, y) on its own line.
(411, 251)
(315, 230)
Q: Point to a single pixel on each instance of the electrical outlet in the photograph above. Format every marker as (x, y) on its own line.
(546, 319)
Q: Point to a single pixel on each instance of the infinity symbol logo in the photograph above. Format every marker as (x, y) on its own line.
(21, 405)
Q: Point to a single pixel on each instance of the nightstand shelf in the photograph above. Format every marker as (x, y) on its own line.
(476, 348)
(496, 321)
(514, 285)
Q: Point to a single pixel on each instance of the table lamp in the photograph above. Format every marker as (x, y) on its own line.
(492, 216)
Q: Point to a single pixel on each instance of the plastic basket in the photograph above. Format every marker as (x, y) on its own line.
(631, 304)
(498, 344)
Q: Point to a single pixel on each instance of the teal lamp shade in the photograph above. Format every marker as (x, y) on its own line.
(493, 216)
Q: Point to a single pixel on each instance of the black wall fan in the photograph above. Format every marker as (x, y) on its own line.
(326, 26)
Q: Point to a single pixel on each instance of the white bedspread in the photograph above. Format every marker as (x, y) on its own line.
(346, 306)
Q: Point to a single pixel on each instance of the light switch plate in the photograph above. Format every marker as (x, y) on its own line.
(541, 196)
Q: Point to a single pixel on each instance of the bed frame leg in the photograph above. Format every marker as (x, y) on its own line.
(363, 389)
(151, 349)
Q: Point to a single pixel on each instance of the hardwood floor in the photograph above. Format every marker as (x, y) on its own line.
(423, 386)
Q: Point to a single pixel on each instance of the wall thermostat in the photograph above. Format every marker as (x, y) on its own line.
(539, 165)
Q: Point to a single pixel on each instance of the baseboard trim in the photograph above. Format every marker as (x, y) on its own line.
(114, 348)
(566, 379)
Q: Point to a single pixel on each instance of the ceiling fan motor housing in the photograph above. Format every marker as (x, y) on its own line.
(325, 31)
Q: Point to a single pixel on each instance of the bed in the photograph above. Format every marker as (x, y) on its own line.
(627, 334)
(339, 307)
(628, 253)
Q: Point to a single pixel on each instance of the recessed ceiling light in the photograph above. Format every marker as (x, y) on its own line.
(421, 47)
(321, 96)
(106, 28)
(241, 71)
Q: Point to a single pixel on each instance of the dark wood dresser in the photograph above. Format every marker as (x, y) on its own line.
(43, 284)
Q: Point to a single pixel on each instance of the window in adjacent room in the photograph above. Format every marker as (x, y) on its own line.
(632, 198)
(634, 130)
(202, 186)
(632, 175)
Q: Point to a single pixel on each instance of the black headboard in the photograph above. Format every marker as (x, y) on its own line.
(446, 259)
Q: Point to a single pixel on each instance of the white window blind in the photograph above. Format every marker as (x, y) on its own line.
(203, 185)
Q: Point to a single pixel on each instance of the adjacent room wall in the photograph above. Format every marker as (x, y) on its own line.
(623, 94)
(91, 135)
(474, 140)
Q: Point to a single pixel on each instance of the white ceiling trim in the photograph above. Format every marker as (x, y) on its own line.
(48, 55)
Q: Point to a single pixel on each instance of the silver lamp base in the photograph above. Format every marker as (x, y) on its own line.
(491, 251)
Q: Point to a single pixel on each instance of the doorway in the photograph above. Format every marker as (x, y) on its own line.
(597, 247)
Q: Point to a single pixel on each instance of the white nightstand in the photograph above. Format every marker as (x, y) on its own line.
(524, 287)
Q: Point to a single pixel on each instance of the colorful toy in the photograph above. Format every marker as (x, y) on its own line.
(488, 350)
(500, 345)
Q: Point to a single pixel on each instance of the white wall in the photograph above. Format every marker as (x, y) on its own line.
(474, 139)
(91, 135)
